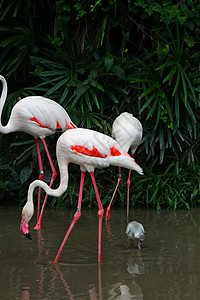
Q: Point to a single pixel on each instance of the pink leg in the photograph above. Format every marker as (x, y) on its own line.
(100, 282)
(41, 176)
(53, 177)
(75, 219)
(128, 186)
(65, 284)
(109, 206)
(100, 214)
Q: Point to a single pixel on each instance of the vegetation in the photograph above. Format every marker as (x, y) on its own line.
(97, 59)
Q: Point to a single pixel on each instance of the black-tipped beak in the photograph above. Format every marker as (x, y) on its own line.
(28, 236)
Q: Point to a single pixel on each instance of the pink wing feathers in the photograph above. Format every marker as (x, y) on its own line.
(49, 114)
(93, 143)
(93, 149)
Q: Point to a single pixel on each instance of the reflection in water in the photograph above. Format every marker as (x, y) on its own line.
(121, 291)
(57, 277)
(25, 293)
(167, 266)
(135, 266)
(56, 272)
(65, 284)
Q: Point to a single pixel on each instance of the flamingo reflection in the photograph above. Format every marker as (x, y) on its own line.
(57, 275)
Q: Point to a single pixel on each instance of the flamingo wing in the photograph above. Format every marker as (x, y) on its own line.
(40, 116)
(95, 144)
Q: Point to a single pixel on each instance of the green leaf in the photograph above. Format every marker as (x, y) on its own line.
(184, 87)
(108, 61)
(56, 87)
(80, 90)
(88, 101)
(145, 66)
(142, 80)
(158, 117)
(191, 112)
(55, 73)
(169, 111)
(64, 95)
(25, 173)
(152, 109)
(177, 113)
(97, 85)
(170, 74)
(177, 83)
(147, 102)
(117, 69)
(191, 88)
(111, 95)
(8, 6)
(149, 90)
(94, 97)
(168, 64)
(54, 79)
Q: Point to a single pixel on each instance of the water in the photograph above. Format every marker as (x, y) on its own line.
(167, 266)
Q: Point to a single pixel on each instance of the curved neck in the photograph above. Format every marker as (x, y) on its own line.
(3, 129)
(63, 168)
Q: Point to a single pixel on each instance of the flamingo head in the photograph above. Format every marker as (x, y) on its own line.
(142, 236)
(27, 214)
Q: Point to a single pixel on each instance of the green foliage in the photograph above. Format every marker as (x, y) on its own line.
(9, 183)
(98, 59)
(169, 84)
(177, 186)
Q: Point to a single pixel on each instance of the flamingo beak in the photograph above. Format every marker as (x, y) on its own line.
(139, 244)
(24, 228)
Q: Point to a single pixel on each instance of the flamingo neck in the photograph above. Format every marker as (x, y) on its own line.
(63, 168)
(3, 129)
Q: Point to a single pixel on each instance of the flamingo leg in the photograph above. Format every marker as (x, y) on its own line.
(100, 282)
(41, 176)
(53, 177)
(100, 214)
(109, 206)
(75, 219)
(128, 186)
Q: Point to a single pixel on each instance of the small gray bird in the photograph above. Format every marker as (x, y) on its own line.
(135, 230)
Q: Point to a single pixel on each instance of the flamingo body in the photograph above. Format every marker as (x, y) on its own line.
(90, 150)
(39, 117)
(35, 115)
(127, 131)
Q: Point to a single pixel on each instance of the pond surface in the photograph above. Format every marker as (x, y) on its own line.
(167, 266)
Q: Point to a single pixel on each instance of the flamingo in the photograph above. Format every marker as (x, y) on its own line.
(90, 150)
(127, 131)
(39, 117)
(135, 230)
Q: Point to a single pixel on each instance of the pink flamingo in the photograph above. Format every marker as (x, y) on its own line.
(90, 150)
(39, 117)
(127, 131)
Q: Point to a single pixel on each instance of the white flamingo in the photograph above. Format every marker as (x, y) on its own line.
(127, 131)
(39, 117)
(90, 150)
